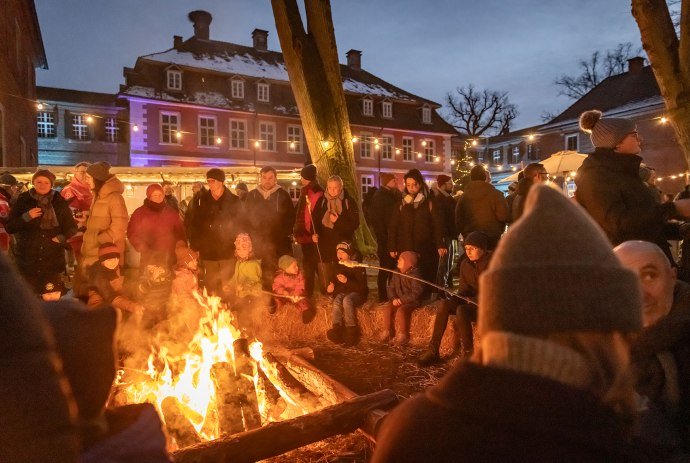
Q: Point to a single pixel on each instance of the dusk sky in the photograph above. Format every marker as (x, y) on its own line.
(425, 47)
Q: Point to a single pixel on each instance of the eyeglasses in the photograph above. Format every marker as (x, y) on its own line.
(545, 174)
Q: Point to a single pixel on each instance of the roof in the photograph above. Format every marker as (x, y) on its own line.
(76, 96)
(614, 92)
(40, 58)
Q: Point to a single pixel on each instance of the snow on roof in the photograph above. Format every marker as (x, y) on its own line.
(355, 86)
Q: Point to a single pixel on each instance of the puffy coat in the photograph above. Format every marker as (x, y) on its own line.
(356, 281)
(154, 230)
(107, 221)
(409, 291)
(287, 284)
(213, 225)
(269, 221)
(343, 229)
(246, 279)
(445, 204)
(36, 254)
(304, 227)
(481, 208)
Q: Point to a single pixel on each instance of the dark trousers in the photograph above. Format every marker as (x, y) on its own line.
(385, 261)
(310, 264)
(397, 319)
(465, 315)
(444, 309)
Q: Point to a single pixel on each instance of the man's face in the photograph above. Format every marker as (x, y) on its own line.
(214, 185)
(80, 173)
(657, 279)
(412, 186)
(334, 188)
(268, 180)
(196, 187)
(631, 144)
(473, 253)
(541, 177)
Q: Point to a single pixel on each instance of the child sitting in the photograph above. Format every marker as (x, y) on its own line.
(244, 287)
(185, 280)
(105, 282)
(155, 282)
(289, 283)
(349, 290)
(404, 295)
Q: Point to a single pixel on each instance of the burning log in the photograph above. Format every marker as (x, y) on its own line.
(177, 424)
(277, 438)
(269, 395)
(284, 380)
(229, 402)
(244, 368)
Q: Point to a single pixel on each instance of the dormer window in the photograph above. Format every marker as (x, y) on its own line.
(426, 115)
(262, 92)
(237, 89)
(387, 109)
(174, 79)
(367, 107)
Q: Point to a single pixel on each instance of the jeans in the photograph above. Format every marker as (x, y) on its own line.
(344, 306)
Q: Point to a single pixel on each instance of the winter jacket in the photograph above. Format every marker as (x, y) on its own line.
(381, 209)
(135, 435)
(409, 291)
(343, 229)
(288, 284)
(105, 287)
(304, 227)
(415, 227)
(78, 195)
(154, 230)
(5, 197)
(610, 189)
(269, 221)
(521, 193)
(246, 280)
(445, 204)
(662, 352)
(483, 414)
(468, 284)
(213, 225)
(107, 221)
(356, 281)
(37, 256)
(481, 208)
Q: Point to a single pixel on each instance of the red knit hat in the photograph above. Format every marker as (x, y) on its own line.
(108, 251)
(442, 180)
(152, 188)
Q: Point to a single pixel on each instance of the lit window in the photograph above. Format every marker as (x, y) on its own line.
(237, 88)
(294, 192)
(367, 183)
(497, 157)
(571, 142)
(46, 124)
(207, 131)
(530, 152)
(367, 107)
(170, 126)
(408, 153)
(387, 109)
(365, 146)
(174, 79)
(430, 151)
(262, 92)
(238, 134)
(267, 135)
(387, 147)
(516, 155)
(80, 130)
(294, 138)
(112, 131)
(426, 115)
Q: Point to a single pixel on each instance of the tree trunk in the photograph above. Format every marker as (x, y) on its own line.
(670, 60)
(311, 58)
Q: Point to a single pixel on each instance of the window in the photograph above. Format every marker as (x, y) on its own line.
(238, 134)
(112, 131)
(430, 151)
(516, 155)
(408, 152)
(80, 131)
(531, 154)
(365, 146)
(262, 92)
(294, 138)
(207, 131)
(426, 115)
(571, 142)
(267, 135)
(46, 125)
(170, 128)
(174, 79)
(497, 157)
(387, 109)
(294, 192)
(367, 183)
(367, 107)
(237, 89)
(387, 147)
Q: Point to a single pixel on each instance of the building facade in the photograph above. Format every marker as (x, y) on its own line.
(206, 103)
(21, 52)
(74, 126)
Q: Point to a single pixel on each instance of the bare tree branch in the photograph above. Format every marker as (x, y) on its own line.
(475, 113)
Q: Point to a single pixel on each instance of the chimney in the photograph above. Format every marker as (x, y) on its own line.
(177, 41)
(635, 65)
(202, 21)
(260, 39)
(354, 59)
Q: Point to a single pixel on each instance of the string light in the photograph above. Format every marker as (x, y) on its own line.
(292, 145)
(294, 183)
(355, 139)
(397, 150)
(256, 144)
(219, 141)
(39, 106)
(89, 119)
(530, 137)
(419, 155)
(474, 142)
(178, 134)
(326, 144)
(376, 141)
(423, 142)
(663, 119)
(135, 128)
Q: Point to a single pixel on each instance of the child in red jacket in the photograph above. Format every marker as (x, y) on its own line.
(289, 283)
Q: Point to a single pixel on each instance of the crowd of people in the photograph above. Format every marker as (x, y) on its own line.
(582, 322)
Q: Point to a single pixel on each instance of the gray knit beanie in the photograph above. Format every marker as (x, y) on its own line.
(554, 271)
(99, 170)
(605, 132)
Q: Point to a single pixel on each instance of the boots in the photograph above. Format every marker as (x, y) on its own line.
(429, 357)
(351, 337)
(335, 334)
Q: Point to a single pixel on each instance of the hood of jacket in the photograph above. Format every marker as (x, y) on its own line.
(112, 185)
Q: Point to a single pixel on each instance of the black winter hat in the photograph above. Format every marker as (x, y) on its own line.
(309, 172)
(216, 174)
(477, 239)
(8, 179)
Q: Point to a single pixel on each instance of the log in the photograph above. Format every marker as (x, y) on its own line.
(177, 424)
(283, 436)
(283, 354)
(244, 369)
(227, 399)
(284, 380)
(274, 404)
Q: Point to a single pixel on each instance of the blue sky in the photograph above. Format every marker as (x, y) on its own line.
(426, 47)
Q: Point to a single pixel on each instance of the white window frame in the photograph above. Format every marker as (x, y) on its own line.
(426, 115)
(387, 142)
(366, 182)
(80, 129)
(294, 135)
(237, 89)
(530, 152)
(408, 149)
(238, 135)
(367, 107)
(172, 128)
(515, 155)
(387, 109)
(430, 151)
(294, 191)
(366, 146)
(173, 79)
(267, 138)
(570, 137)
(263, 92)
(112, 131)
(497, 156)
(45, 124)
(207, 133)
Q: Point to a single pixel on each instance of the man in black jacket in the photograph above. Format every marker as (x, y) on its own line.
(381, 209)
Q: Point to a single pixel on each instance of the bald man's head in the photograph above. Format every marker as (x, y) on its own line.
(656, 275)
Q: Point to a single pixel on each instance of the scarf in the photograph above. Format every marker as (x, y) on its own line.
(334, 205)
(267, 193)
(45, 202)
(416, 201)
(157, 207)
